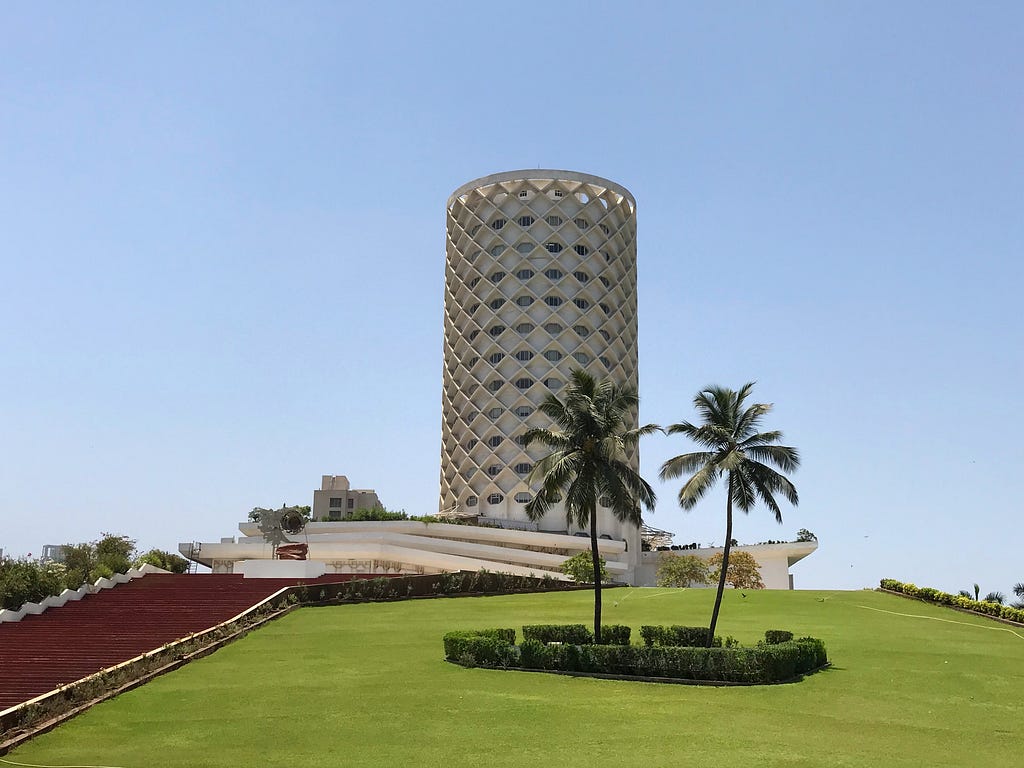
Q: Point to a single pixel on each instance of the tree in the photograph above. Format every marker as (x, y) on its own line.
(735, 449)
(804, 535)
(114, 553)
(681, 570)
(588, 462)
(306, 512)
(89, 561)
(744, 571)
(1018, 590)
(161, 559)
(975, 596)
(580, 568)
(992, 597)
(25, 581)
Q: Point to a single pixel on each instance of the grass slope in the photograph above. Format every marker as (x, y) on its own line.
(365, 685)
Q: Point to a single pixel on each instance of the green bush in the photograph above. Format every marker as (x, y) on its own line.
(533, 654)
(811, 654)
(615, 634)
(24, 581)
(487, 647)
(580, 568)
(763, 664)
(1011, 613)
(677, 636)
(375, 514)
(959, 601)
(576, 634)
(776, 636)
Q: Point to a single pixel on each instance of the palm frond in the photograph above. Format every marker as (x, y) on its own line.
(546, 437)
(784, 457)
(744, 496)
(748, 421)
(698, 484)
(730, 431)
(687, 462)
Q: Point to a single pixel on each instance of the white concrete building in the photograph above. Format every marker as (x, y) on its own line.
(402, 547)
(540, 278)
(413, 547)
(774, 560)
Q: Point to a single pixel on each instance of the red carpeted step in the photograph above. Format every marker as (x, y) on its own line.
(65, 644)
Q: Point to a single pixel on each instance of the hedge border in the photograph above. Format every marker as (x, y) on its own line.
(954, 606)
(764, 664)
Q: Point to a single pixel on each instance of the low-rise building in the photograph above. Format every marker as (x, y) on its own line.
(337, 500)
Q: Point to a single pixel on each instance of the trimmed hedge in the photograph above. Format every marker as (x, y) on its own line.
(615, 634)
(484, 647)
(677, 636)
(776, 636)
(931, 595)
(765, 663)
(576, 634)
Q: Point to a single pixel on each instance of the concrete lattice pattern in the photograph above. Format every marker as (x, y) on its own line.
(540, 279)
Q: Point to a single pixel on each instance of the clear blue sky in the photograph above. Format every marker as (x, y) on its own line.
(222, 248)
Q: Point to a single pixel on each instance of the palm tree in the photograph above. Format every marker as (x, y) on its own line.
(975, 596)
(992, 597)
(588, 461)
(737, 450)
(1018, 590)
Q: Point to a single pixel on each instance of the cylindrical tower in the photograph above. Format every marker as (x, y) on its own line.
(540, 278)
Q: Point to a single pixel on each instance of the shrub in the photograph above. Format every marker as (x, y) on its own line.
(811, 654)
(1011, 613)
(677, 636)
(576, 634)
(375, 514)
(959, 601)
(928, 593)
(580, 568)
(681, 570)
(490, 647)
(744, 571)
(763, 664)
(615, 634)
(776, 636)
(23, 581)
(533, 654)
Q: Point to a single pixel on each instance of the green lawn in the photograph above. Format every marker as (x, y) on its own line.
(365, 685)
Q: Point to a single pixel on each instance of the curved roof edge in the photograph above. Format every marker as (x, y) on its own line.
(541, 173)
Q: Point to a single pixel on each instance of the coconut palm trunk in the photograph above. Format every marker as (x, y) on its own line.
(725, 567)
(597, 575)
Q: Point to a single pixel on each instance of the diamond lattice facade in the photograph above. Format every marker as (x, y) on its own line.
(540, 279)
